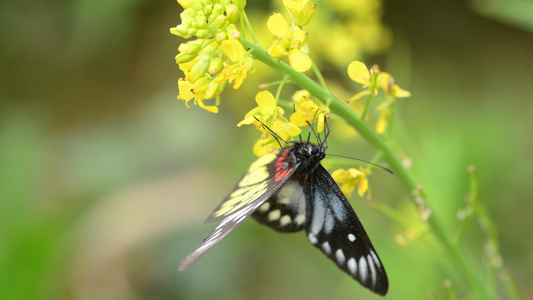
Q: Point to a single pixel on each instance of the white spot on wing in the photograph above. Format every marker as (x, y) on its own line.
(340, 256)
(352, 265)
(363, 269)
(376, 259)
(274, 215)
(351, 237)
(326, 247)
(285, 220)
(372, 269)
(312, 238)
(319, 215)
(264, 208)
(300, 219)
(329, 222)
(292, 195)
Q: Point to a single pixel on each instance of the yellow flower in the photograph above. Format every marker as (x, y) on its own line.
(300, 10)
(266, 108)
(196, 90)
(386, 109)
(349, 179)
(271, 115)
(384, 116)
(285, 129)
(290, 40)
(264, 145)
(307, 111)
(359, 73)
(386, 82)
(236, 72)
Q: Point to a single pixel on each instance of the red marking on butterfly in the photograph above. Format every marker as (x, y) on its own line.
(281, 166)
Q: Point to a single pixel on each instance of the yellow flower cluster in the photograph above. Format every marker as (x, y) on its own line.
(373, 80)
(216, 56)
(267, 112)
(290, 38)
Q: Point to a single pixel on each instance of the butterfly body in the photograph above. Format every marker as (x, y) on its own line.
(290, 191)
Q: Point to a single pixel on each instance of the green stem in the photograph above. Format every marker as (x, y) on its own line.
(244, 20)
(319, 76)
(367, 104)
(405, 175)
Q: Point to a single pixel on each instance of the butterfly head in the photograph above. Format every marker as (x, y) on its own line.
(309, 155)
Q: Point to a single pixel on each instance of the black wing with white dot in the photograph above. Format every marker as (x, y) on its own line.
(285, 210)
(333, 227)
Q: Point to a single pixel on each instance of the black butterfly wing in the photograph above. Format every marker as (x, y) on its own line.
(333, 227)
(285, 210)
(263, 179)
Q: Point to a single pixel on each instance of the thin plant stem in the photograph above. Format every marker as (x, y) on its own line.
(319, 76)
(367, 104)
(249, 26)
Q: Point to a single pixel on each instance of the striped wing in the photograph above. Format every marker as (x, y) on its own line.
(262, 180)
(333, 227)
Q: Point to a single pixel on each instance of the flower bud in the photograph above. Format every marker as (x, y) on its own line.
(184, 58)
(202, 33)
(216, 65)
(215, 89)
(218, 10)
(220, 21)
(189, 12)
(199, 70)
(190, 48)
(232, 13)
(190, 4)
(221, 36)
(200, 86)
(240, 4)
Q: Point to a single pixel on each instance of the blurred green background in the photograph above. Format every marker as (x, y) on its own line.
(105, 178)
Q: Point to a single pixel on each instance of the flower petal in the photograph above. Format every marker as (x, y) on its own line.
(233, 49)
(277, 25)
(299, 60)
(266, 102)
(358, 72)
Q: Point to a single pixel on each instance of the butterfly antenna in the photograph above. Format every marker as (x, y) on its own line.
(365, 161)
(275, 135)
(311, 130)
(326, 127)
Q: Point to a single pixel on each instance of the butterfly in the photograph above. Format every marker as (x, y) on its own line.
(289, 191)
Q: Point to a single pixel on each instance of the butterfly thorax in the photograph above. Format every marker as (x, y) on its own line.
(308, 155)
